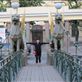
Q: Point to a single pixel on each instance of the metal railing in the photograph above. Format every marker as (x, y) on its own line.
(10, 66)
(68, 66)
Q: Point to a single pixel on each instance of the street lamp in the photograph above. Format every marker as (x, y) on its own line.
(58, 6)
(15, 5)
(58, 31)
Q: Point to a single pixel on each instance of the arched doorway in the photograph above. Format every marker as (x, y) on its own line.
(37, 33)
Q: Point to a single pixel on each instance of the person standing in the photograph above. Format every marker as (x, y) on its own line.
(37, 50)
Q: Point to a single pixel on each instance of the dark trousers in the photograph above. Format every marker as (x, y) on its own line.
(38, 58)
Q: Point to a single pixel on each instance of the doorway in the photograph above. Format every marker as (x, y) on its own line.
(37, 33)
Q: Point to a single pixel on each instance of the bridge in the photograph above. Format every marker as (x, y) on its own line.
(41, 13)
(57, 66)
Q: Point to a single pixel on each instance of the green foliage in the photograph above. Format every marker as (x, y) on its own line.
(2, 7)
(27, 3)
(74, 4)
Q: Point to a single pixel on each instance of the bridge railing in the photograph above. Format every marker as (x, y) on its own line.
(10, 66)
(68, 66)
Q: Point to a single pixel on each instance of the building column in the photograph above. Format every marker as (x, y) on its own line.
(67, 36)
(46, 26)
(26, 39)
(27, 32)
(7, 27)
(46, 36)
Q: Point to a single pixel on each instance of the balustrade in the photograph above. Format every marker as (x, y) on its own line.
(10, 66)
(68, 66)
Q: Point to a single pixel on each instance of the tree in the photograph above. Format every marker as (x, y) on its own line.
(2, 7)
(23, 3)
(27, 3)
(74, 4)
(4, 4)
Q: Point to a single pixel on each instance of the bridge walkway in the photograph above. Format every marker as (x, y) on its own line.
(41, 72)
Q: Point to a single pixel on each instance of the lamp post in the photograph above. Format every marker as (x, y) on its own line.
(58, 26)
(67, 33)
(15, 28)
(76, 32)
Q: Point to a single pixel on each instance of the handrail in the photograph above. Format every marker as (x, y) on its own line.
(10, 66)
(7, 59)
(68, 66)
